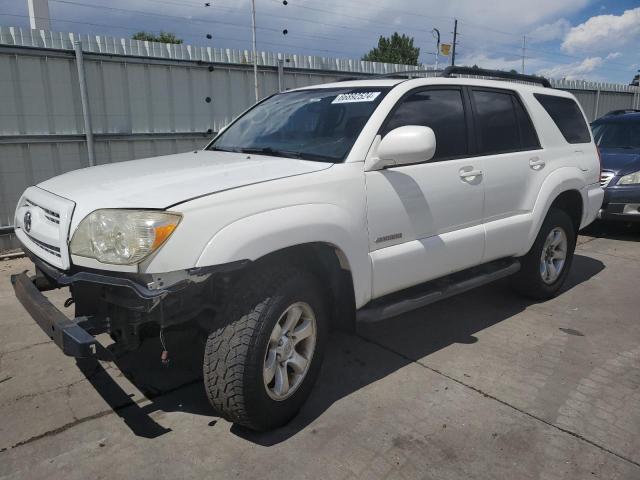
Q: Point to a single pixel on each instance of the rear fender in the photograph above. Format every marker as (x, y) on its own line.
(561, 180)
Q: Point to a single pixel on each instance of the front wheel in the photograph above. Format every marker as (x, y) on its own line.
(546, 266)
(261, 364)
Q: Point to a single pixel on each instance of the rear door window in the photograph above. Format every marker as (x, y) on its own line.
(441, 110)
(502, 123)
(528, 136)
(567, 116)
(496, 122)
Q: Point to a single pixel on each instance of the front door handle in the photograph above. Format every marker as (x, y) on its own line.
(536, 163)
(470, 175)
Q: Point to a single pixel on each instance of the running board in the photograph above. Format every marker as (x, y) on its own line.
(417, 297)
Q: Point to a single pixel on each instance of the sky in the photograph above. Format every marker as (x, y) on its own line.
(574, 39)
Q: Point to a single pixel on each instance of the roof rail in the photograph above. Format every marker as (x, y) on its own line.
(622, 111)
(482, 72)
(403, 74)
(454, 70)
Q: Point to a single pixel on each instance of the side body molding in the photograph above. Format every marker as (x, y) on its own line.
(257, 235)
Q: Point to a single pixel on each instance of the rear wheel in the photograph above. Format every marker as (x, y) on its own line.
(546, 266)
(261, 364)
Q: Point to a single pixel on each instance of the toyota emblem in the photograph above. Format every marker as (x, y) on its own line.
(27, 221)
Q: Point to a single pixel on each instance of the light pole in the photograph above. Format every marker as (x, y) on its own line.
(524, 51)
(255, 53)
(436, 34)
(39, 14)
(455, 41)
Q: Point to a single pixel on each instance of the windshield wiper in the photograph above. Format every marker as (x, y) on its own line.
(289, 154)
(271, 151)
(278, 153)
(218, 149)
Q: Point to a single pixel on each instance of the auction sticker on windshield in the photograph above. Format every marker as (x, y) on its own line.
(356, 97)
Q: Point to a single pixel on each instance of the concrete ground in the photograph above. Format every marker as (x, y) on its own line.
(484, 385)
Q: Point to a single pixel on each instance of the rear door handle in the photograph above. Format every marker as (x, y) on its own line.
(536, 163)
(470, 175)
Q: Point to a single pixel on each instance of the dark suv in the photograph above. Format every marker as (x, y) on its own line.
(617, 136)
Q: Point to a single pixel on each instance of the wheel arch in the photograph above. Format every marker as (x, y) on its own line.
(330, 265)
(572, 203)
(564, 189)
(323, 236)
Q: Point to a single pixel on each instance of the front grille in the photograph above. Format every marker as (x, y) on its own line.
(605, 178)
(53, 217)
(53, 250)
(42, 224)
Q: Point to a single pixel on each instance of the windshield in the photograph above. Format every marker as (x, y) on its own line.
(315, 124)
(617, 135)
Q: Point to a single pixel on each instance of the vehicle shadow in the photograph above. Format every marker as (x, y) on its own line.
(351, 361)
(613, 230)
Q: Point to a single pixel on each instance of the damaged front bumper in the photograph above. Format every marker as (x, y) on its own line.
(118, 304)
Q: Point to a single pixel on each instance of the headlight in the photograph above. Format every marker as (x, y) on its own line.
(631, 179)
(122, 237)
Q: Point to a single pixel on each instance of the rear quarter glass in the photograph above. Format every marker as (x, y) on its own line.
(567, 116)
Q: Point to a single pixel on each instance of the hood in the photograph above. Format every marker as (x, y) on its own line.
(620, 161)
(161, 182)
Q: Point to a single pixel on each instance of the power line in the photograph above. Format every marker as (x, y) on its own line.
(467, 23)
(294, 34)
(195, 37)
(189, 20)
(359, 18)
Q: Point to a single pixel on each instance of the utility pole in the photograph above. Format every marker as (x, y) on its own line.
(455, 40)
(39, 14)
(255, 53)
(436, 33)
(524, 50)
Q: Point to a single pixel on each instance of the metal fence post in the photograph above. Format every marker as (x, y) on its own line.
(280, 75)
(82, 83)
(597, 105)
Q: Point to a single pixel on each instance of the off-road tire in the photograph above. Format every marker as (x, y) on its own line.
(235, 351)
(528, 281)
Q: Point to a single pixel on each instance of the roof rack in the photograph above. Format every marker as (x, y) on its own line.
(475, 71)
(406, 73)
(482, 72)
(622, 111)
(400, 74)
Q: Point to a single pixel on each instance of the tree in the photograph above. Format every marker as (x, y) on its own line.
(164, 37)
(394, 49)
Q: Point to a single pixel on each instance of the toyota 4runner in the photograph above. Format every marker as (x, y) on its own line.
(314, 209)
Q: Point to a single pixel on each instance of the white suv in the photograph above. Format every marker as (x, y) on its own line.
(317, 207)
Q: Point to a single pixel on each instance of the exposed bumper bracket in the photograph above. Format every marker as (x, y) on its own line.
(72, 339)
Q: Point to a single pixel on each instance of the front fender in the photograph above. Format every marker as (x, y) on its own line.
(257, 235)
(561, 180)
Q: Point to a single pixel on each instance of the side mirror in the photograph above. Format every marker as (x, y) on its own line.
(404, 146)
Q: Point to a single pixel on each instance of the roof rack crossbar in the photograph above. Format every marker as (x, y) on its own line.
(454, 70)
